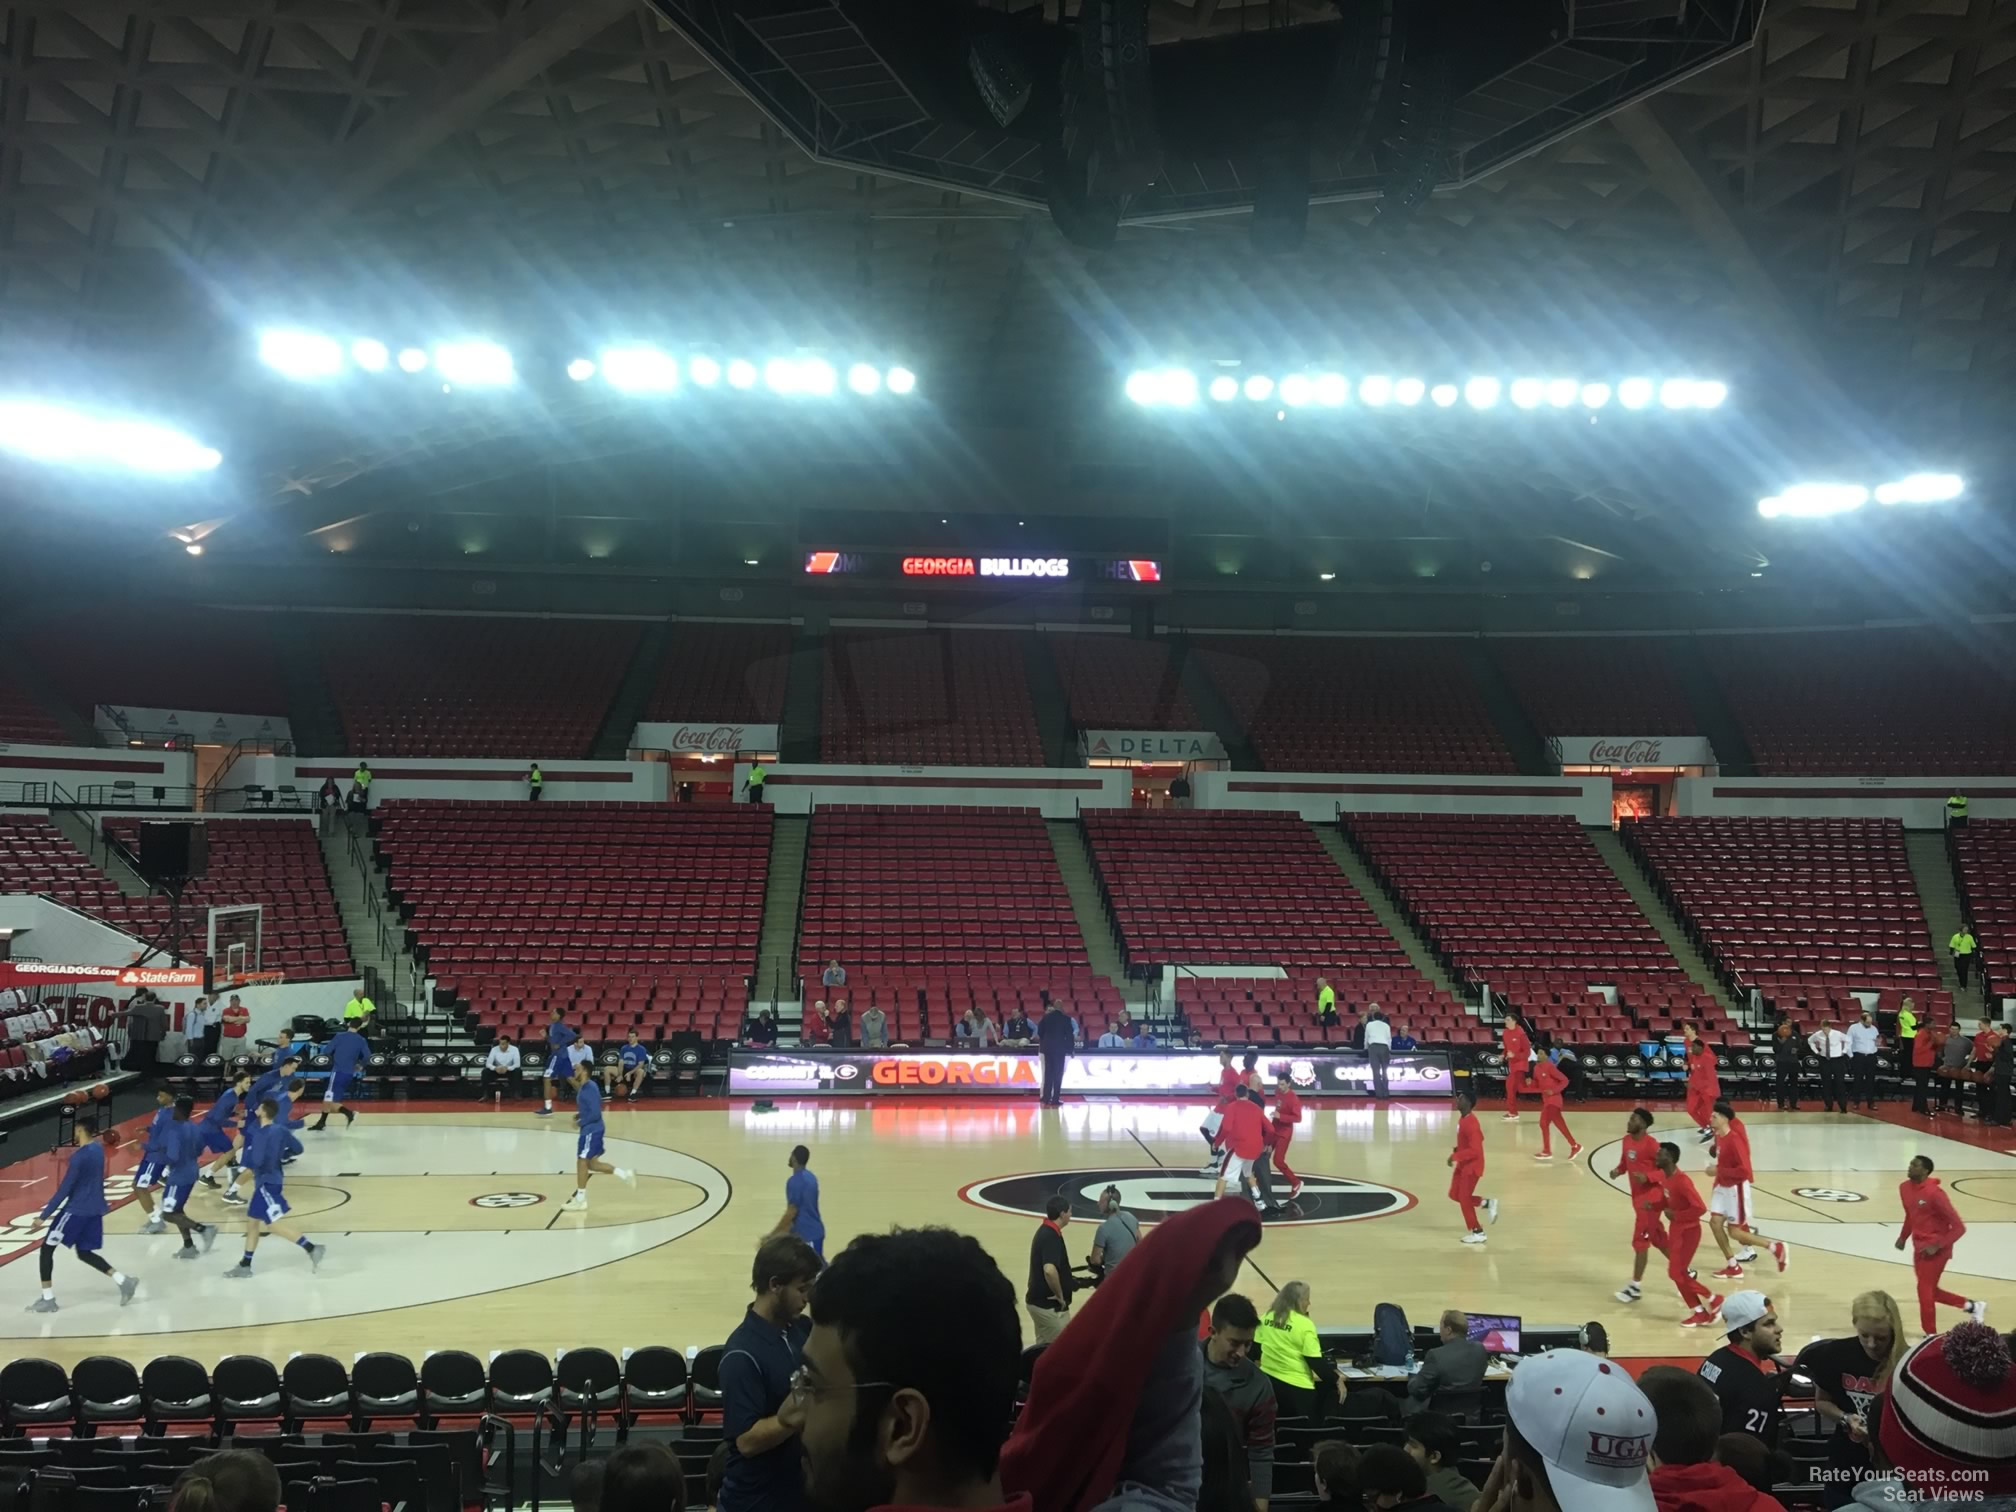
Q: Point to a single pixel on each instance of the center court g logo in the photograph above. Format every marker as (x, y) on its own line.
(1152, 1193)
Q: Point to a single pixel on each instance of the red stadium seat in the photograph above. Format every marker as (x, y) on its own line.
(928, 698)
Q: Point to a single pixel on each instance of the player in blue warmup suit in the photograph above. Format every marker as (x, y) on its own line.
(559, 1067)
(184, 1148)
(77, 1218)
(347, 1051)
(288, 1049)
(220, 1135)
(264, 1141)
(153, 1165)
(282, 1101)
(588, 1144)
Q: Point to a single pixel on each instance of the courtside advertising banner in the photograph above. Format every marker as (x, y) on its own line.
(758, 1073)
(38, 973)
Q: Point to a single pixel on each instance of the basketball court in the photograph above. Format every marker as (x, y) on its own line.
(445, 1227)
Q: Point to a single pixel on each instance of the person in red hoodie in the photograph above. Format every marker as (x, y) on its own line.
(1638, 1164)
(1518, 1052)
(1704, 1085)
(1684, 1211)
(1467, 1161)
(1287, 1114)
(1552, 1082)
(1729, 1210)
(1244, 1136)
(1932, 1228)
(1228, 1084)
(1685, 1474)
(1925, 1047)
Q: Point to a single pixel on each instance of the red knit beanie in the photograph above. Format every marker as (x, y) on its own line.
(1949, 1415)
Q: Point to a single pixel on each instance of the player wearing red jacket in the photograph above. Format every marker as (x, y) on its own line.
(1552, 1081)
(1729, 1210)
(1932, 1228)
(1638, 1164)
(1518, 1052)
(1684, 1208)
(1467, 1161)
(1228, 1085)
(1287, 1114)
(1704, 1086)
(1244, 1135)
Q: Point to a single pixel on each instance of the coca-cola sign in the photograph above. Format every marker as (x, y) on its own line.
(704, 737)
(1632, 750)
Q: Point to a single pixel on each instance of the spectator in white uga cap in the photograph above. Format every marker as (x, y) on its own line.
(1578, 1438)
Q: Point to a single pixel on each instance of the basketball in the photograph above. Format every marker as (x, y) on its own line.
(100, 1092)
(74, 1099)
(113, 1139)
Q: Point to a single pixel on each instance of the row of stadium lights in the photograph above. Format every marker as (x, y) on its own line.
(310, 356)
(1180, 388)
(1813, 501)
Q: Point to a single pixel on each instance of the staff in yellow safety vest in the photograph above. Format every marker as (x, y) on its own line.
(1956, 811)
(360, 786)
(1963, 947)
(753, 783)
(537, 780)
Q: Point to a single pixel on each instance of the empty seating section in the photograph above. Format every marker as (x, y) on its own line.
(1112, 682)
(625, 913)
(1356, 704)
(452, 685)
(928, 697)
(214, 661)
(1594, 685)
(1262, 1011)
(1234, 889)
(964, 905)
(1797, 908)
(717, 672)
(277, 862)
(1984, 853)
(1523, 903)
(1902, 702)
(37, 857)
(22, 721)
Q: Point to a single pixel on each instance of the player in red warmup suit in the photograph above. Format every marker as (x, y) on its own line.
(1704, 1085)
(1244, 1135)
(1929, 1219)
(1729, 1210)
(1467, 1161)
(1684, 1209)
(1552, 1081)
(1638, 1163)
(1228, 1085)
(1287, 1114)
(1518, 1051)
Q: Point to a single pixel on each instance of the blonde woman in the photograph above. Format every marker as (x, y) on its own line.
(1290, 1355)
(1848, 1376)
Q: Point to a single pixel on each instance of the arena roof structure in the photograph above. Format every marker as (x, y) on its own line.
(1812, 203)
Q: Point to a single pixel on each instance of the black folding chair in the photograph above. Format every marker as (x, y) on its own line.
(317, 1389)
(332, 1496)
(464, 1452)
(175, 1389)
(108, 1391)
(248, 1391)
(34, 1394)
(398, 1480)
(654, 1385)
(590, 1382)
(452, 1384)
(705, 1376)
(385, 1385)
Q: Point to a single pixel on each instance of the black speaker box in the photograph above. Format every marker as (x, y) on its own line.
(173, 850)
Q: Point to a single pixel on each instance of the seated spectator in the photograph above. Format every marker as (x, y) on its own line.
(763, 1029)
(235, 1480)
(500, 1067)
(874, 1029)
(1389, 1477)
(631, 1066)
(1847, 1373)
(1124, 1025)
(1291, 1356)
(1457, 1363)
(1112, 1039)
(642, 1478)
(1434, 1444)
(975, 1031)
(817, 1026)
(1118, 1232)
(584, 1486)
(1230, 1371)
(1402, 1040)
(835, 975)
(1334, 1467)
(1578, 1438)
(1596, 1339)
(1018, 1031)
(843, 1025)
(1685, 1474)
(1761, 1469)
(1946, 1425)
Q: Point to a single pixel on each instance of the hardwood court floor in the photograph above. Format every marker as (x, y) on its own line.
(445, 1228)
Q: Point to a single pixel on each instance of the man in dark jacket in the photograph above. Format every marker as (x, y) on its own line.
(1458, 1363)
(1788, 1064)
(1229, 1370)
(1053, 1038)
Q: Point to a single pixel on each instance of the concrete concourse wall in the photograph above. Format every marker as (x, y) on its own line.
(1920, 802)
(1060, 792)
(1319, 796)
(491, 781)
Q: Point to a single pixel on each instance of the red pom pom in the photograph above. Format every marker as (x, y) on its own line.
(1978, 1355)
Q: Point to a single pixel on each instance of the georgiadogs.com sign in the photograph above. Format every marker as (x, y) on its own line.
(701, 737)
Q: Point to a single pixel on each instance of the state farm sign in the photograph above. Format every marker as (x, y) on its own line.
(703, 737)
(1632, 750)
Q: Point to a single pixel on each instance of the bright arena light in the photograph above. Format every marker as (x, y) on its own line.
(1710, 393)
(1376, 390)
(1143, 387)
(639, 370)
(1179, 386)
(1809, 501)
(1444, 395)
(704, 371)
(53, 433)
(580, 370)
(1677, 393)
(1224, 388)
(780, 375)
(1595, 395)
(1528, 392)
(1561, 392)
(864, 379)
(742, 375)
(1409, 390)
(816, 376)
(1332, 389)
(412, 360)
(301, 355)
(1922, 488)
(1296, 389)
(370, 355)
(901, 380)
(474, 364)
(1481, 393)
(1635, 393)
(1259, 388)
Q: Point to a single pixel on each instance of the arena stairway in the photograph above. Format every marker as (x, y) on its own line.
(356, 888)
(1095, 924)
(1530, 754)
(1712, 715)
(804, 694)
(1211, 707)
(1939, 892)
(1053, 708)
(640, 680)
(783, 897)
(1388, 913)
(81, 829)
(1610, 846)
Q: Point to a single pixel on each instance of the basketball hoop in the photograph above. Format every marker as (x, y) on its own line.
(238, 979)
